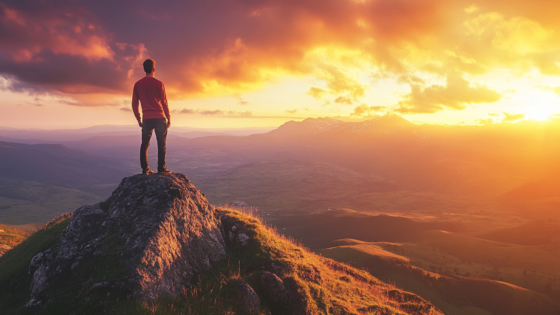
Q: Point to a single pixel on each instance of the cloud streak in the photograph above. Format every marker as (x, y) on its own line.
(215, 112)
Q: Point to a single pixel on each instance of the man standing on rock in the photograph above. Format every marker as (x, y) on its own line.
(151, 94)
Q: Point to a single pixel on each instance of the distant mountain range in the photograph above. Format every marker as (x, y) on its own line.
(465, 159)
(33, 136)
(487, 160)
(384, 124)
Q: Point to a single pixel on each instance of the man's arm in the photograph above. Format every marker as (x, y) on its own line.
(135, 103)
(165, 106)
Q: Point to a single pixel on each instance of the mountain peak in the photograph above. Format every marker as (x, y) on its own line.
(393, 119)
(387, 123)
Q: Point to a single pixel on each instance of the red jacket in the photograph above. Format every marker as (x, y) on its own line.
(151, 93)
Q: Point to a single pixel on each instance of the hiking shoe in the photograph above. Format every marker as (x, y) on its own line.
(147, 171)
(163, 170)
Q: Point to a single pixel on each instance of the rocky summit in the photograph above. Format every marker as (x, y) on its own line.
(159, 230)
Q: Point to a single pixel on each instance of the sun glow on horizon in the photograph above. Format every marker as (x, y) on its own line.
(539, 105)
(539, 114)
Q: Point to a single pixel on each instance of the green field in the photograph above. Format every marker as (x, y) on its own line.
(24, 202)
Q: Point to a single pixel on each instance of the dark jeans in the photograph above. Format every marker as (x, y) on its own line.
(160, 125)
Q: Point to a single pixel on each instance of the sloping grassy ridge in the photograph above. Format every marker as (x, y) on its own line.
(10, 237)
(14, 264)
(323, 285)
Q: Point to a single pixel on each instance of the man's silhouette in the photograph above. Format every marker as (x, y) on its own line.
(151, 94)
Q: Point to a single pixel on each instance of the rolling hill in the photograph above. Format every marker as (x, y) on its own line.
(453, 294)
(535, 199)
(282, 185)
(319, 229)
(450, 269)
(540, 232)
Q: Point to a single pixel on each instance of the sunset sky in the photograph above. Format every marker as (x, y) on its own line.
(254, 63)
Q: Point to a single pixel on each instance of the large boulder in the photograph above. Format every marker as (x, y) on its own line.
(247, 298)
(167, 230)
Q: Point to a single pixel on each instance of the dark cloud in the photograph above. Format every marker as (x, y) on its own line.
(67, 74)
(293, 111)
(59, 47)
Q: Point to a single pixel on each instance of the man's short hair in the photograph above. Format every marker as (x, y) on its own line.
(149, 65)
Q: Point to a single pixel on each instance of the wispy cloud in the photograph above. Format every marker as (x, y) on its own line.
(214, 112)
(512, 117)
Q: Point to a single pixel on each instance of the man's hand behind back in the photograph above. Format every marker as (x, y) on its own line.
(140, 124)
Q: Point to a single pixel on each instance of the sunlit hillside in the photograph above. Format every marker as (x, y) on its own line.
(10, 237)
(323, 286)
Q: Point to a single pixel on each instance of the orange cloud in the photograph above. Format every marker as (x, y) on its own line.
(316, 92)
(512, 117)
(66, 32)
(455, 95)
(344, 88)
(481, 121)
(58, 50)
(363, 109)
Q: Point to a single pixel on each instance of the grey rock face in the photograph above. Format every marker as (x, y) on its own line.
(243, 239)
(284, 294)
(274, 289)
(247, 298)
(236, 234)
(168, 229)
